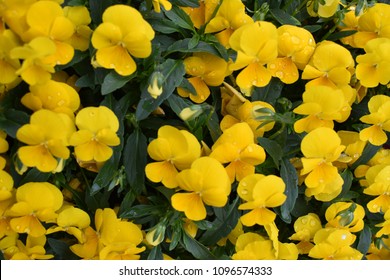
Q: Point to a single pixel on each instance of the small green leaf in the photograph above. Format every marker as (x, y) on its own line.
(341, 34)
(365, 240)
(114, 81)
(272, 148)
(11, 120)
(270, 93)
(155, 253)
(180, 18)
(182, 46)
(312, 28)
(186, 3)
(290, 178)
(197, 249)
(60, 249)
(284, 18)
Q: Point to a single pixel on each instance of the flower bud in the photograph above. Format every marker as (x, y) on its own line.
(155, 88)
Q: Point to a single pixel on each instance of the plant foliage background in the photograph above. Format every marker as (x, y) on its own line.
(190, 129)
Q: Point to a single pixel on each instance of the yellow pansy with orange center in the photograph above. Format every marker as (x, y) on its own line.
(230, 16)
(373, 67)
(97, 128)
(55, 96)
(378, 178)
(320, 148)
(295, 47)
(260, 193)
(345, 215)
(124, 34)
(35, 203)
(236, 148)
(173, 150)
(256, 45)
(47, 137)
(330, 65)
(322, 105)
(206, 70)
(334, 244)
(114, 238)
(379, 118)
(205, 182)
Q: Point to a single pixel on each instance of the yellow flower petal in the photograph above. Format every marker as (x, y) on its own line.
(191, 204)
(163, 172)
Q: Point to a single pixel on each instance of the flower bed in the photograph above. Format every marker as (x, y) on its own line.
(194, 129)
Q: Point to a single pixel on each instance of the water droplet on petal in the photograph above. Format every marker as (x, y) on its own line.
(272, 66)
(313, 223)
(250, 149)
(295, 40)
(344, 236)
(304, 221)
(244, 192)
(112, 65)
(279, 74)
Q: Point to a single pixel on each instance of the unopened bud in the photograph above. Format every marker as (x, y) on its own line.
(191, 112)
(155, 88)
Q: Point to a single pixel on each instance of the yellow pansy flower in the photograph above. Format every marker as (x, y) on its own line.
(114, 239)
(205, 182)
(46, 19)
(327, 9)
(6, 185)
(124, 34)
(233, 235)
(5, 228)
(46, 137)
(380, 252)
(236, 148)
(34, 249)
(35, 203)
(295, 47)
(174, 150)
(8, 66)
(71, 220)
(345, 215)
(331, 65)
(157, 5)
(97, 128)
(373, 23)
(354, 146)
(349, 22)
(260, 193)
(379, 185)
(79, 16)
(3, 147)
(225, 21)
(55, 96)
(252, 246)
(322, 180)
(379, 118)
(373, 67)
(305, 228)
(37, 65)
(202, 14)
(334, 244)
(206, 70)
(322, 105)
(256, 45)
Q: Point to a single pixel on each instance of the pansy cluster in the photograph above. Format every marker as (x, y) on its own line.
(194, 129)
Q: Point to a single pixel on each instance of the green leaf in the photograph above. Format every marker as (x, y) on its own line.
(11, 120)
(341, 34)
(97, 9)
(312, 28)
(197, 249)
(173, 73)
(213, 126)
(272, 148)
(156, 253)
(365, 239)
(114, 81)
(34, 175)
(284, 18)
(164, 26)
(134, 160)
(225, 221)
(60, 249)
(180, 18)
(186, 3)
(290, 178)
(270, 93)
(347, 178)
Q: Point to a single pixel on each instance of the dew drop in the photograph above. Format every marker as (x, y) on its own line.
(112, 65)
(50, 97)
(313, 223)
(61, 103)
(279, 74)
(272, 66)
(344, 236)
(244, 192)
(304, 221)
(295, 40)
(250, 149)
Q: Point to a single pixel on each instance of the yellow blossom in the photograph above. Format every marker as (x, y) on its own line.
(373, 67)
(378, 178)
(379, 118)
(96, 135)
(345, 215)
(32, 250)
(354, 146)
(124, 34)
(295, 47)
(334, 244)
(379, 252)
(202, 14)
(256, 45)
(260, 193)
(8, 66)
(327, 9)
(173, 150)
(46, 137)
(305, 228)
(35, 203)
(230, 16)
(323, 180)
(55, 96)
(233, 235)
(205, 182)
(157, 5)
(79, 16)
(6, 185)
(205, 70)
(236, 148)
(37, 64)
(331, 65)
(322, 105)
